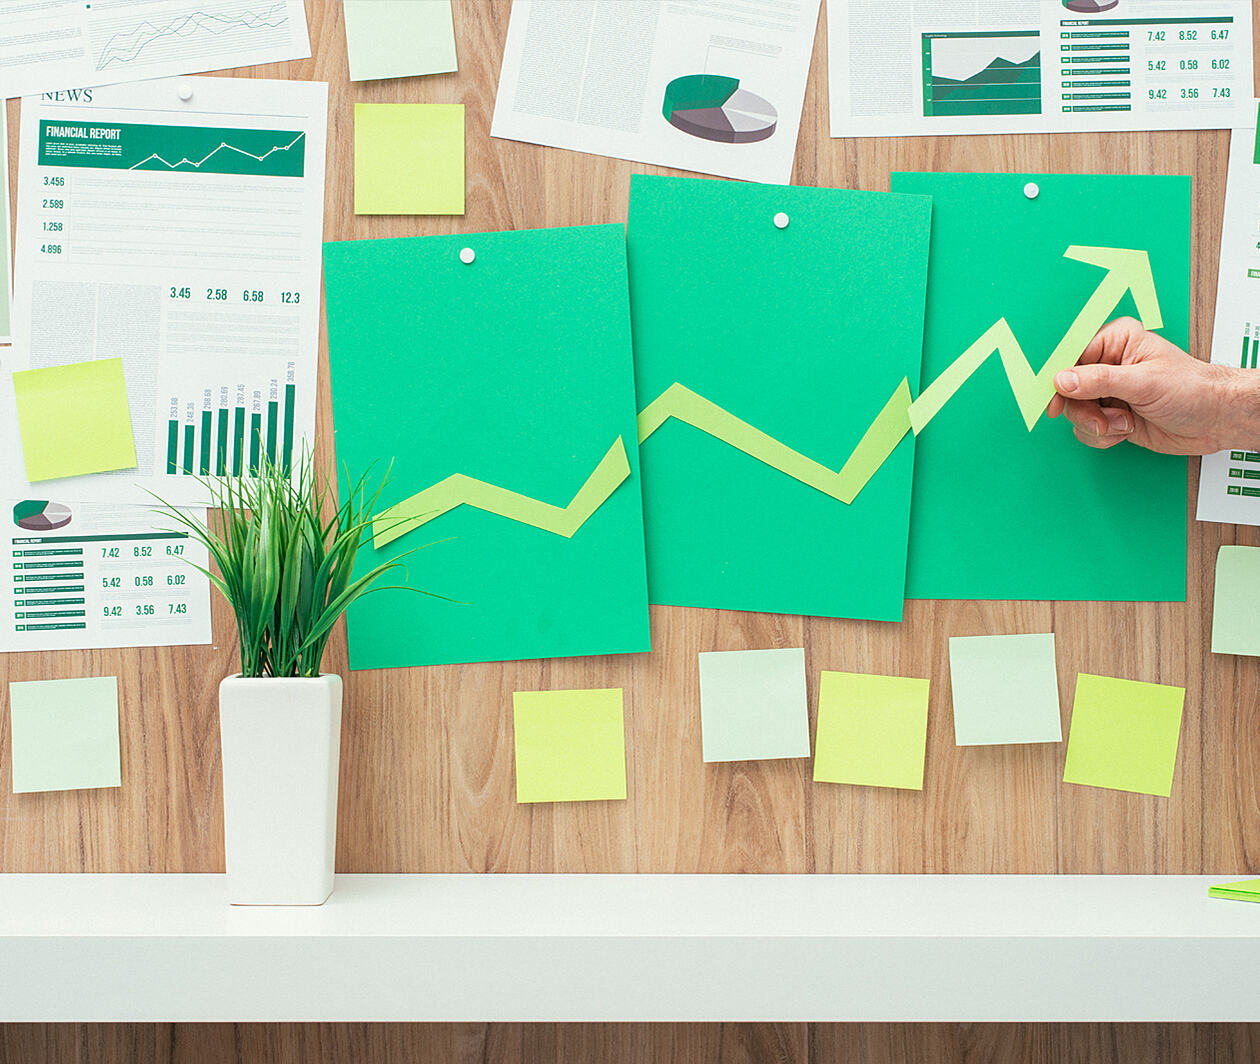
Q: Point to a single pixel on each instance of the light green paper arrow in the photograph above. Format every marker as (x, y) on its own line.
(460, 490)
(1126, 271)
(679, 401)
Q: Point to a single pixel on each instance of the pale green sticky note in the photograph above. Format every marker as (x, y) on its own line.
(74, 419)
(65, 734)
(752, 705)
(408, 158)
(1124, 735)
(399, 38)
(570, 745)
(1005, 689)
(872, 730)
(1236, 603)
(1243, 890)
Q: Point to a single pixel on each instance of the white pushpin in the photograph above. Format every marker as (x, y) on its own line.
(467, 255)
(1031, 190)
(781, 220)
(184, 89)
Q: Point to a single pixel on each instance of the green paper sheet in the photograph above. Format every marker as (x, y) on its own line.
(1243, 890)
(74, 419)
(514, 371)
(408, 158)
(1001, 512)
(1236, 602)
(570, 745)
(1124, 735)
(1005, 689)
(782, 347)
(872, 730)
(399, 38)
(65, 734)
(753, 705)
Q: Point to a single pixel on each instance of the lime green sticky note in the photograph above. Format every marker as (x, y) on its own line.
(872, 730)
(74, 419)
(408, 158)
(1124, 735)
(65, 734)
(1236, 603)
(1243, 890)
(570, 746)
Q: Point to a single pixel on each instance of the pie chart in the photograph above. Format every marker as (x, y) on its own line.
(39, 515)
(1090, 7)
(714, 107)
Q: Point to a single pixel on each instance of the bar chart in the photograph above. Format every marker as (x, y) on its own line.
(1250, 347)
(229, 429)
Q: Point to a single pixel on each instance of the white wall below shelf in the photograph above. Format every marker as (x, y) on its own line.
(118, 948)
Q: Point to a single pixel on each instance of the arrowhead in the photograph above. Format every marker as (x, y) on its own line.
(1133, 269)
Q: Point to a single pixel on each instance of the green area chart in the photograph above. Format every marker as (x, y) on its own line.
(1000, 86)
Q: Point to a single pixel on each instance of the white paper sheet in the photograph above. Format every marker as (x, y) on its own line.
(183, 236)
(602, 78)
(83, 576)
(50, 45)
(1229, 481)
(927, 67)
(6, 253)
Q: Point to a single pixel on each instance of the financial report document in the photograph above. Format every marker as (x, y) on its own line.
(924, 67)
(1229, 481)
(184, 237)
(707, 85)
(84, 576)
(46, 45)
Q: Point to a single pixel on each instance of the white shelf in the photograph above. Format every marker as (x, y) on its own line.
(523, 947)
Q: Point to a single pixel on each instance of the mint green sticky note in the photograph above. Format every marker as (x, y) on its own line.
(408, 158)
(570, 745)
(802, 334)
(752, 705)
(1124, 735)
(399, 38)
(1243, 890)
(1236, 602)
(872, 730)
(989, 522)
(1005, 689)
(65, 734)
(74, 419)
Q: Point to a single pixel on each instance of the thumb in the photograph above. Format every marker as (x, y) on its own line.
(1132, 384)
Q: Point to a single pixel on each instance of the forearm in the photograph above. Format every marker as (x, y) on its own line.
(1239, 406)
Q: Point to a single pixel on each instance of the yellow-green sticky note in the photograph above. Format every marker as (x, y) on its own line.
(1236, 602)
(872, 730)
(65, 734)
(74, 419)
(570, 745)
(408, 158)
(1243, 890)
(1124, 735)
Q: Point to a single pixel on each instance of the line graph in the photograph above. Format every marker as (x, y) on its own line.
(1127, 271)
(186, 31)
(223, 146)
(186, 149)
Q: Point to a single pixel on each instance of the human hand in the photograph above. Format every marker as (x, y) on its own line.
(1130, 384)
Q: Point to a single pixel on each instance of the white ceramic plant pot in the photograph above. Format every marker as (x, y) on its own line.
(281, 750)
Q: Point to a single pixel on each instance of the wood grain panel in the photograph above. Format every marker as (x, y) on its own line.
(426, 783)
